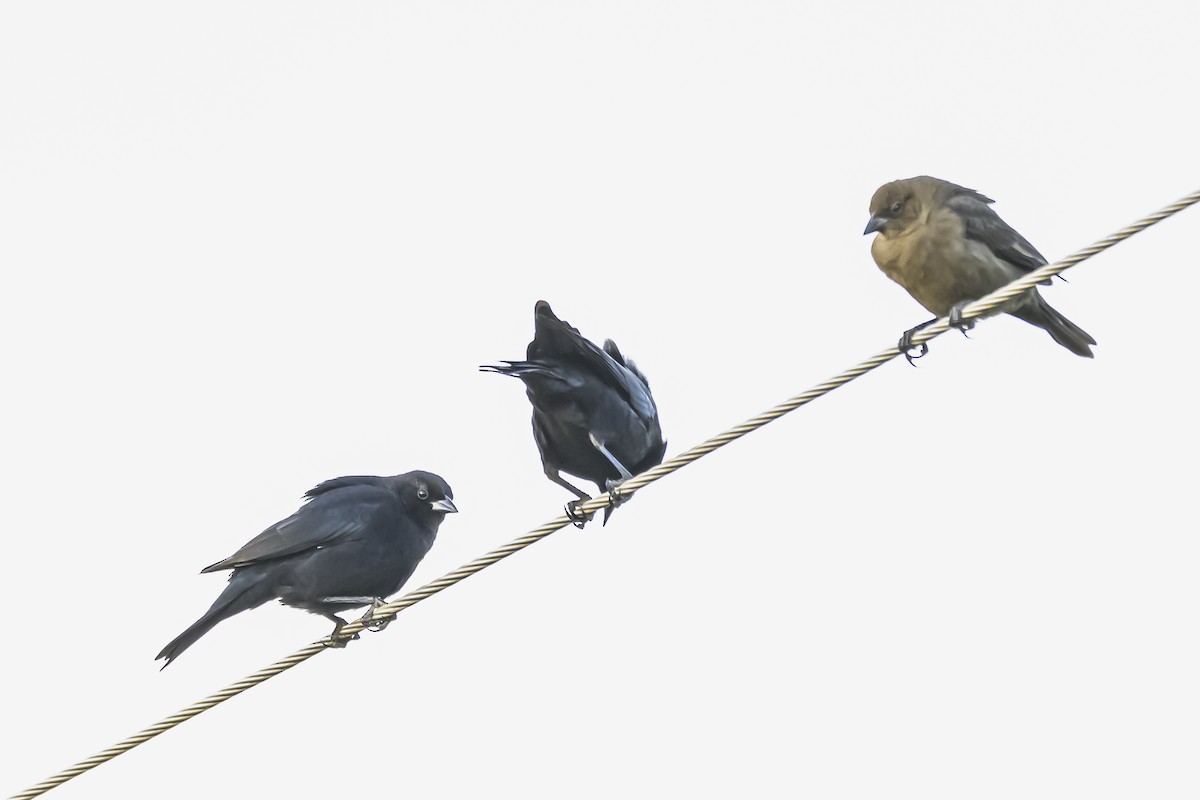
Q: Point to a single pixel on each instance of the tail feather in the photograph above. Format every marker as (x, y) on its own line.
(522, 369)
(1040, 313)
(188, 638)
(236, 598)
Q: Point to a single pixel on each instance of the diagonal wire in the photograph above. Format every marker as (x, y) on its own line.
(388, 612)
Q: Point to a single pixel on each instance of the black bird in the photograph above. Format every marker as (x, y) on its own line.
(593, 415)
(356, 542)
(946, 246)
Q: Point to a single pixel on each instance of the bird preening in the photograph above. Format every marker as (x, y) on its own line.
(947, 247)
(593, 414)
(355, 542)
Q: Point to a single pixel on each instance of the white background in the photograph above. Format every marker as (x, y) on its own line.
(248, 246)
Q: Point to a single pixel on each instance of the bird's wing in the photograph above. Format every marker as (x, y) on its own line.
(630, 379)
(343, 483)
(984, 225)
(328, 520)
(556, 337)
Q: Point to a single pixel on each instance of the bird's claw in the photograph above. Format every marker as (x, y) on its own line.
(372, 624)
(337, 640)
(578, 518)
(616, 496)
(913, 351)
(909, 350)
(956, 320)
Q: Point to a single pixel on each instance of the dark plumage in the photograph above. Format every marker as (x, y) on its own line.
(593, 415)
(947, 247)
(355, 542)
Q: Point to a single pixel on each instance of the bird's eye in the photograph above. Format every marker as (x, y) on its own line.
(423, 493)
(897, 206)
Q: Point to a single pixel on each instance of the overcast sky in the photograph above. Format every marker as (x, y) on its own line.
(249, 246)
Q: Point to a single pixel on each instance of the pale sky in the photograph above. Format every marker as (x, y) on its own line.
(248, 246)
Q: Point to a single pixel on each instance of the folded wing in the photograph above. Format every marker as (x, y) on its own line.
(337, 513)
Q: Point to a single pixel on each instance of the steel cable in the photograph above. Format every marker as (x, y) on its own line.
(388, 612)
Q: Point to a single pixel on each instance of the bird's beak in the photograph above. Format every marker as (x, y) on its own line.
(875, 225)
(445, 506)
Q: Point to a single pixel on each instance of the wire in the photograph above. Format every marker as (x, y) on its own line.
(389, 611)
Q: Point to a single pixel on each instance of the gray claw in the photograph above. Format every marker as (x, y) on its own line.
(368, 619)
(577, 517)
(957, 321)
(336, 639)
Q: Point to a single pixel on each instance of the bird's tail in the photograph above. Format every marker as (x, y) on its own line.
(236, 598)
(1038, 312)
(521, 369)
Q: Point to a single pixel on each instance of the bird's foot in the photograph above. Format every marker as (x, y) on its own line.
(577, 517)
(615, 493)
(368, 619)
(336, 639)
(913, 351)
(957, 321)
(616, 497)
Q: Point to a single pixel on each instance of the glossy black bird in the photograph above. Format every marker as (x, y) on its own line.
(593, 415)
(355, 542)
(947, 247)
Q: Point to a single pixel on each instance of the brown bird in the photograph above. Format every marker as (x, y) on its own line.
(948, 248)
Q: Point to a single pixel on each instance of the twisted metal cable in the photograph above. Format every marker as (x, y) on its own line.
(388, 612)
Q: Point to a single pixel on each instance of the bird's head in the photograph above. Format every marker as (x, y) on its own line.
(894, 209)
(427, 494)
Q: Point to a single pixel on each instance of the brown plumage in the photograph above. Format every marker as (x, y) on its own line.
(947, 247)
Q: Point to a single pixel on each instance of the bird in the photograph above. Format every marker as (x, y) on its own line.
(946, 245)
(355, 541)
(593, 414)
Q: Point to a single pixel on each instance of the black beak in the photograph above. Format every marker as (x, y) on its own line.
(875, 225)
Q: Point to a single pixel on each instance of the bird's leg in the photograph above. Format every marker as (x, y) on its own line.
(577, 517)
(335, 638)
(957, 321)
(368, 620)
(906, 346)
(613, 487)
(552, 474)
(599, 445)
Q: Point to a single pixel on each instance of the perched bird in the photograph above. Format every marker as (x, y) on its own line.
(355, 542)
(948, 248)
(593, 415)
